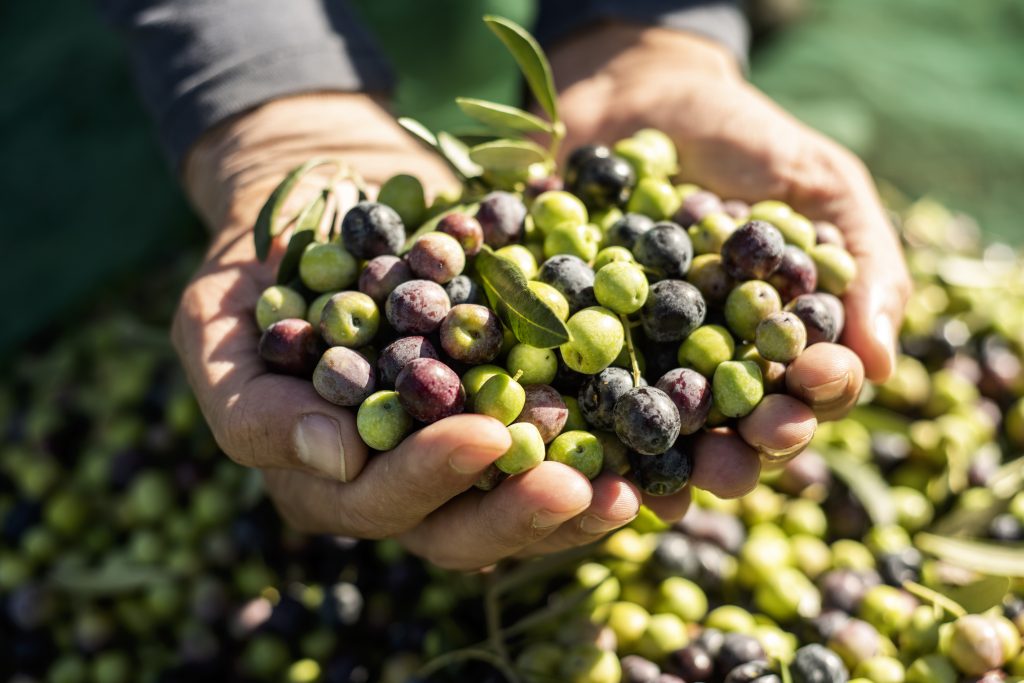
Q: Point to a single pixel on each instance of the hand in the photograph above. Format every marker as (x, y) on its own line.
(316, 468)
(617, 78)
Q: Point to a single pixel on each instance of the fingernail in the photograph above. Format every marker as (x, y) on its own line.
(473, 459)
(318, 444)
(546, 519)
(595, 526)
(828, 391)
(886, 336)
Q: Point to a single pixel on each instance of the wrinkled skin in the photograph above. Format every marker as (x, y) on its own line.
(420, 491)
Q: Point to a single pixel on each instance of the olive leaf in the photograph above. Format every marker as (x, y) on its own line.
(986, 557)
(267, 228)
(457, 154)
(110, 579)
(503, 117)
(531, 320)
(866, 484)
(532, 62)
(305, 234)
(980, 595)
(507, 155)
(418, 130)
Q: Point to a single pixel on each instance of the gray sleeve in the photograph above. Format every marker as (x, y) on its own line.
(720, 20)
(198, 62)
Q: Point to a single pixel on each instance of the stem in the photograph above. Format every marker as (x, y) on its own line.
(492, 613)
(632, 351)
(557, 135)
(519, 373)
(936, 598)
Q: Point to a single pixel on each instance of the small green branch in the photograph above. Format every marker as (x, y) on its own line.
(936, 598)
(631, 349)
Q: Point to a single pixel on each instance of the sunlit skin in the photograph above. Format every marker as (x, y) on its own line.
(731, 139)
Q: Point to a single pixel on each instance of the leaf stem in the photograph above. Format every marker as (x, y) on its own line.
(631, 349)
(464, 655)
(936, 598)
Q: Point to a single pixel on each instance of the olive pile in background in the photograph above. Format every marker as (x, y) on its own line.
(131, 550)
(681, 311)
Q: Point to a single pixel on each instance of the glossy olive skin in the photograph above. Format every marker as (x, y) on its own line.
(371, 229)
(501, 216)
(737, 649)
(381, 275)
(627, 230)
(429, 390)
(753, 251)
(664, 474)
(417, 307)
(471, 333)
(581, 156)
(696, 206)
(343, 377)
(600, 393)
(437, 257)
(544, 409)
(465, 229)
(691, 393)
(464, 290)
(796, 274)
(817, 664)
(603, 182)
(571, 276)
(665, 250)
(399, 353)
(673, 310)
(817, 316)
(291, 346)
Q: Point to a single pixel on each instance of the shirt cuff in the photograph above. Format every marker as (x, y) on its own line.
(719, 20)
(199, 62)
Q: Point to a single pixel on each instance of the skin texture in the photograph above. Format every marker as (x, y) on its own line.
(733, 140)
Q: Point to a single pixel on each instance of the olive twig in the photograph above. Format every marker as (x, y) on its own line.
(495, 636)
(632, 351)
(937, 599)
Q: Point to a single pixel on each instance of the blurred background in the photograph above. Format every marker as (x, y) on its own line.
(104, 454)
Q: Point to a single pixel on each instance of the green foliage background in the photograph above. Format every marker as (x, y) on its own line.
(929, 92)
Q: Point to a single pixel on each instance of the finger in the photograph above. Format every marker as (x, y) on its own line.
(778, 428)
(725, 464)
(615, 503)
(669, 509)
(477, 529)
(828, 378)
(397, 489)
(878, 295)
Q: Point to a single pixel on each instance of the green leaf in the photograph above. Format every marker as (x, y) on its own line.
(531, 320)
(866, 484)
(457, 154)
(981, 595)
(418, 130)
(267, 225)
(304, 235)
(503, 117)
(507, 155)
(532, 62)
(986, 557)
(109, 579)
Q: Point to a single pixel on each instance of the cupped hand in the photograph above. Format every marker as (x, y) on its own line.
(318, 472)
(734, 141)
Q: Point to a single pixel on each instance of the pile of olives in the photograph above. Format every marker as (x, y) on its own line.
(132, 550)
(678, 312)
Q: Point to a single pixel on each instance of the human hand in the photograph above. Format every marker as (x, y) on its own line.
(734, 141)
(316, 468)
